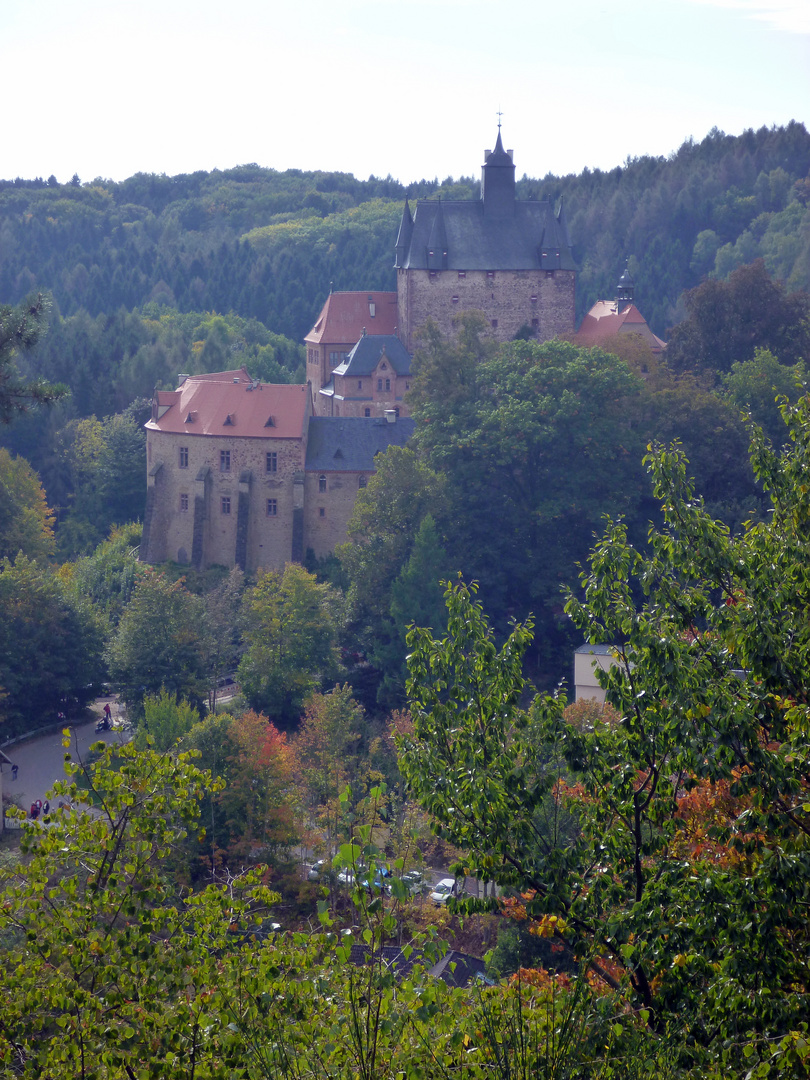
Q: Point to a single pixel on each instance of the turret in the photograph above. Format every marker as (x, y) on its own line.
(498, 181)
(624, 291)
(403, 245)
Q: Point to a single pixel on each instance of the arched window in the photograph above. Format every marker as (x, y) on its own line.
(361, 482)
(321, 483)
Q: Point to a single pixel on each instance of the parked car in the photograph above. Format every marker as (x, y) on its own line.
(317, 871)
(442, 892)
(414, 881)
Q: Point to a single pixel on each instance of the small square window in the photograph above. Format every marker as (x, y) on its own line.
(462, 274)
(183, 457)
(455, 299)
(494, 324)
(183, 502)
(534, 299)
(321, 511)
(272, 507)
(491, 275)
(272, 461)
(432, 275)
(224, 461)
(226, 504)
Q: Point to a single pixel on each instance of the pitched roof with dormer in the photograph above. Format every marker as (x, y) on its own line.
(496, 232)
(231, 404)
(350, 443)
(345, 316)
(370, 350)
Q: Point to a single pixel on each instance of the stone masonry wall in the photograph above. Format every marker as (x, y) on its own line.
(540, 299)
(323, 532)
(269, 536)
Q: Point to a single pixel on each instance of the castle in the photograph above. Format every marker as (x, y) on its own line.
(255, 475)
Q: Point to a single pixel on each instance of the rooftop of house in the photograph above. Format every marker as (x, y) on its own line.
(231, 404)
(350, 443)
(595, 650)
(605, 319)
(346, 315)
(370, 350)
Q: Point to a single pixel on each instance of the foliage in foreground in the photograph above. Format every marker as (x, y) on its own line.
(112, 971)
(684, 884)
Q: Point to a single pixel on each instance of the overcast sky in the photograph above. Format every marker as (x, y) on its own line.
(410, 88)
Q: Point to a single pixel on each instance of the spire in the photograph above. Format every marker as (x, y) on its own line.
(498, 180)
(624, 290)
(403, 245)
(437, 242)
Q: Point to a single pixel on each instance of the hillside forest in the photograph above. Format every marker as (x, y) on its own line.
(639, 867)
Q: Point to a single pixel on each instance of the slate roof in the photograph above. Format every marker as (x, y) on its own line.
(495, 232)
(345, 315)
(350, 443)
(368, 352)
(223, 403)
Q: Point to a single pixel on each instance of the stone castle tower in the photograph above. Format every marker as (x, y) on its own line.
(506, 257)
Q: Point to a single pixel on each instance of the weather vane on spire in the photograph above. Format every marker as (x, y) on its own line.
(500, 114)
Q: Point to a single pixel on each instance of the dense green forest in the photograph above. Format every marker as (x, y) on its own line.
(267, 245)
(651, 856)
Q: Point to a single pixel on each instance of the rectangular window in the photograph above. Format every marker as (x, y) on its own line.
(183, 457)
(462, 274)
(224, 461)
(366, 412)
(272, 461)
(272, 507)
(321, 511)
(455, 299)
(359, 384)
(379, 384)
(387, 384)
(494, 324)
(226, 504)
(183, 502)
(491, 275)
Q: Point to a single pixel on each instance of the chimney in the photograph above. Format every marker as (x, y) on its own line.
(391, 416)
(181, 379)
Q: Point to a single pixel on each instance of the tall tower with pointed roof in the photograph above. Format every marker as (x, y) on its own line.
(509, 258)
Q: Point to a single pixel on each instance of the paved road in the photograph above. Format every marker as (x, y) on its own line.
(41, 760)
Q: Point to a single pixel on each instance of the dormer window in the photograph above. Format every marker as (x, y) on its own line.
(383, 366)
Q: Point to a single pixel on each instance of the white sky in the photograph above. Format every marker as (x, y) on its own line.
(407, 87)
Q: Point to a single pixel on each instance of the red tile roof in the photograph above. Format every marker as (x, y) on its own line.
(603, 321)
(345, 314)
(203, 404)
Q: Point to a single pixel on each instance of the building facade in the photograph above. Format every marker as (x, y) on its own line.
(509, 258)
(608, 318)
(239, 472)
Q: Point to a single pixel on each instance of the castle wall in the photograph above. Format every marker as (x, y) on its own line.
(195, 484)
(510, 299)
(327, 513)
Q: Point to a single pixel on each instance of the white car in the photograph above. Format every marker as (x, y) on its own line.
(442, 892)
